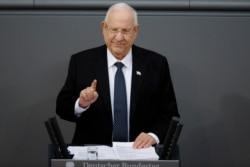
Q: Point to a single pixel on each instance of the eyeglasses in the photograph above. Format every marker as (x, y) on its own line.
(115, 31)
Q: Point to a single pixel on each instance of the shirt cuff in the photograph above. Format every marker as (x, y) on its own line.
(79, 110)
(155, 137)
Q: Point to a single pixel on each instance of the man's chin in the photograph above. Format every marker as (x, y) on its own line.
(118, 51)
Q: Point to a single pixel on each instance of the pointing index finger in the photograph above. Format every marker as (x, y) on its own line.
(93, 84)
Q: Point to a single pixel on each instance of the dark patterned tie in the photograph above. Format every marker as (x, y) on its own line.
(120, 132)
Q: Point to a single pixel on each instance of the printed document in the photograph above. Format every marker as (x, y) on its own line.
(119, 151)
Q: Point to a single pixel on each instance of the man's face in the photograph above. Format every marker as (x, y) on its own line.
(119, 32)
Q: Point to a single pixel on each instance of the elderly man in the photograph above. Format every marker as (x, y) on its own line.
(134, 105)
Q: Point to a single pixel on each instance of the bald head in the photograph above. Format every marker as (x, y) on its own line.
(122, 7)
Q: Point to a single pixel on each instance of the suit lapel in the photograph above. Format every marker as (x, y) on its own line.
(138, 73)
(101, 69)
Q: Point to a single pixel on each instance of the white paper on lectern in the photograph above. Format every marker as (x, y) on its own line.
(119, 151)
(125, 151)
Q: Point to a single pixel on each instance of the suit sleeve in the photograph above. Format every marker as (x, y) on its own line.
(68, 95)
(167, 102)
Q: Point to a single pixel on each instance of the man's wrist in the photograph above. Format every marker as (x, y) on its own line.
(78, 109)
(155, 137)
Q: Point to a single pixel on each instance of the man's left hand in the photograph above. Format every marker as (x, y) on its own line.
(144, 140)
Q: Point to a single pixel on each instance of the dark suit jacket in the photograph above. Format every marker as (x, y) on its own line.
(153, 100)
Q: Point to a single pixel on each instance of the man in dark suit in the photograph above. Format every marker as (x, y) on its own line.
(88, 93)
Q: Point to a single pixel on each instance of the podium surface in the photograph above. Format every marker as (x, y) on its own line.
(113, 163)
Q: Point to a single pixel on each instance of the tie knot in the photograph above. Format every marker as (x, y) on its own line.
(119, 65)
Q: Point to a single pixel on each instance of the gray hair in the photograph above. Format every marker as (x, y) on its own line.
(122, 6)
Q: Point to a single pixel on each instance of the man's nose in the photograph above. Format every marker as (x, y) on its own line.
(119, 36)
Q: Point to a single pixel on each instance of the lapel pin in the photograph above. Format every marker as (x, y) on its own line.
(138, 73)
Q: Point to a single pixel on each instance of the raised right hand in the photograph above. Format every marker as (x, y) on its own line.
(88, 95)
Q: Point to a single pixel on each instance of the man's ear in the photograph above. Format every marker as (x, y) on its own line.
(103, 24)
(136, 29)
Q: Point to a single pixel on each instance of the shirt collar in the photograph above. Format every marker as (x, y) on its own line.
(127, 60)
